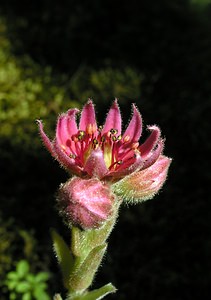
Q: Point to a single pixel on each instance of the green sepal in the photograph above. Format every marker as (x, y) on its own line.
(83, 275)
(63, 255)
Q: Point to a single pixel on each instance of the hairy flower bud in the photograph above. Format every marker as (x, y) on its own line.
(85, 202)
(143, 185)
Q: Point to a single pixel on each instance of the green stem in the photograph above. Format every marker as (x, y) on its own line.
(80, 262)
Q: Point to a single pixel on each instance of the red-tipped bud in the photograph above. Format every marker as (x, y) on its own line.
(86, 203)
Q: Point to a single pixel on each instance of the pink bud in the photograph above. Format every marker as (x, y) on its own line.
(85, 202)
(143, 185)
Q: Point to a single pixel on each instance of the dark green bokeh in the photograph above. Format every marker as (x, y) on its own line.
(154, 53)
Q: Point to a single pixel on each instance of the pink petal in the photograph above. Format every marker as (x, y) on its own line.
(134, 128)
(66, 161)
(66, 127)
(126, 169)
(46, 141)
(71, 122)
(151, 141)
(95, 165)
(113, 119)
(62, 132)
(154, 155)
(87, 116)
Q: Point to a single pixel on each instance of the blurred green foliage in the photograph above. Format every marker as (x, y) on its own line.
(25, 285)
(7, 239)
(16, 243)
(100, 84)
(27, 92)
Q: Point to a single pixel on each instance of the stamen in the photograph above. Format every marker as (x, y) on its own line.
(113, 131)
(72, 156)
(95, 143)
(81, 134)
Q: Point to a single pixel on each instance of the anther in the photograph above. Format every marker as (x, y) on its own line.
(113, 131)
(81, 133)
(95, 141)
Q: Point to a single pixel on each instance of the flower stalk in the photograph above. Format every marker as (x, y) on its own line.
(81, 260)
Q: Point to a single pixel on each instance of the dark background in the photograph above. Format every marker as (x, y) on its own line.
(154, 53)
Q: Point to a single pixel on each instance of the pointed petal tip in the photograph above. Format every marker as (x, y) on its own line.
(135, 108)
(165, 160)
(113, 119)
(134, 129)
(72, 111)
(87, 115)
(39, 123)
(153, 127)
(116, 102)
(89, 102)
(46, 141)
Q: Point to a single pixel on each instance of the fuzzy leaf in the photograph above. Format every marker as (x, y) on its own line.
(84, 274)
(63, 255)
(100, 293)
(96, 294)
(76, 240)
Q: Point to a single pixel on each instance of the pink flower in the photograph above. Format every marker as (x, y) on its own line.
(109, 165)
(87, 150)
